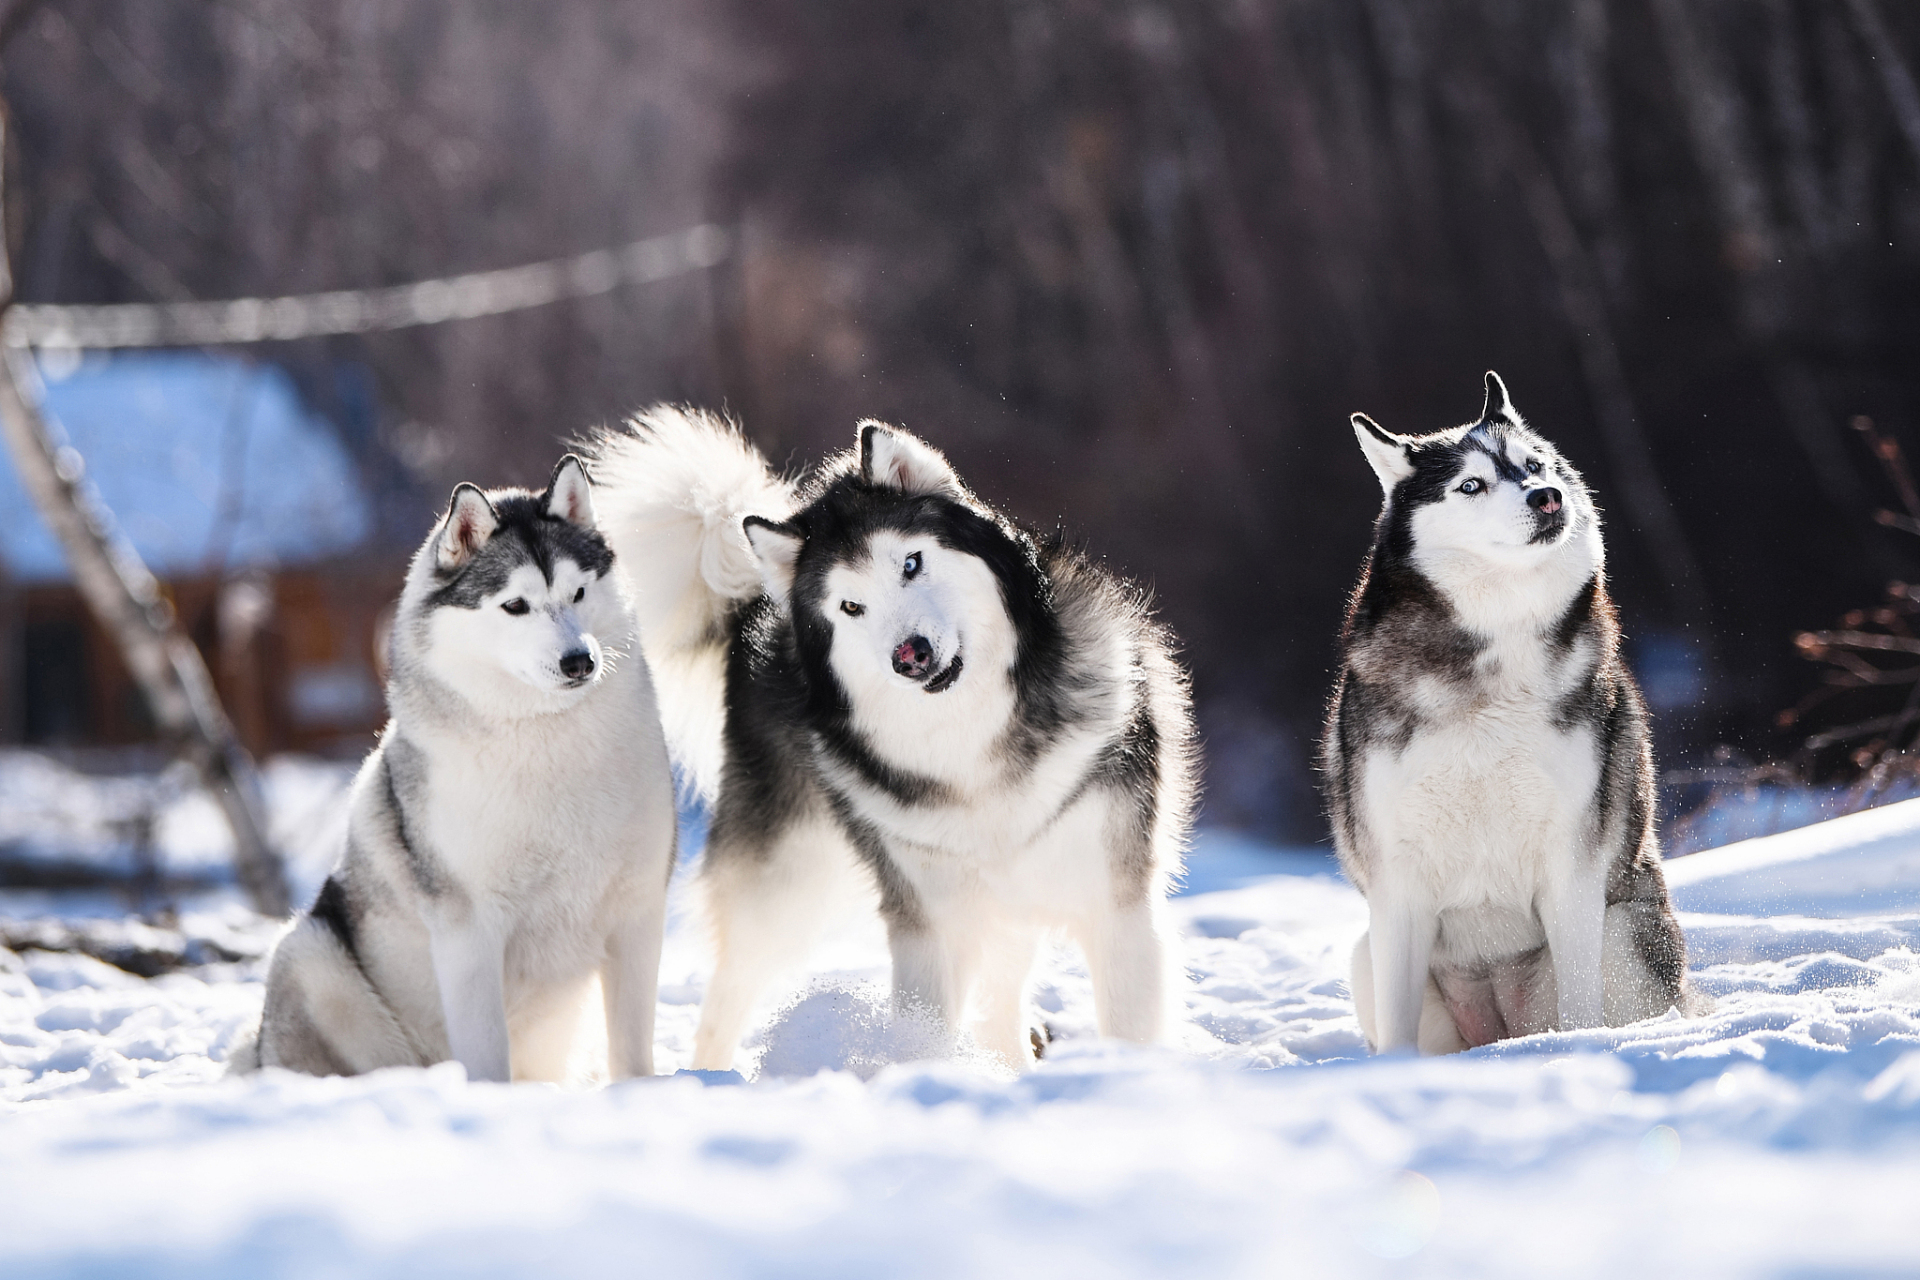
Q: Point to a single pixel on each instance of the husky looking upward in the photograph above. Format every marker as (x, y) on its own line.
(1487, 758)
(877, 677)
(512, 834)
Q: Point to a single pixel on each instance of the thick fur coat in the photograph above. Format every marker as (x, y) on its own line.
(890, 686)
(1487, 759)
(510, 839)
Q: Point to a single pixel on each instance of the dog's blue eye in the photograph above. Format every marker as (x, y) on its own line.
(1533, 468)
(1472, 486)
(912, 565)
(851, 609)
(580, 595)
(516, 607)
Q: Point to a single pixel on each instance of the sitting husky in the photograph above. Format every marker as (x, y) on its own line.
(511, 836)
(1487, 757)
(879, 678)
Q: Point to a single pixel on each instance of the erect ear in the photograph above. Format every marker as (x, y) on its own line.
(1497, 406)
(570, 493)
(894, 459)
(469, 522)
(776, 549)
(1386, 452)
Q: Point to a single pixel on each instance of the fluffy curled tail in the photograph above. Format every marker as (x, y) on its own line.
(671, 487)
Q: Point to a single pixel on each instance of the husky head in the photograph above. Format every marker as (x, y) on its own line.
(893, 574)
(1489, 496)
(512, 603)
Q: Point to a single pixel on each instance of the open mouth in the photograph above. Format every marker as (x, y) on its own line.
(941, 681)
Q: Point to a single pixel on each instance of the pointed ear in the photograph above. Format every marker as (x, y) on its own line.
(893, 459)
(570, 492)
(469, 522)
(1386, 452)
(1497, 406)
(776, 550)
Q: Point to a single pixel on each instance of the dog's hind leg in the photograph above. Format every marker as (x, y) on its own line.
(766, 909)
(322, 1016)
(1643, 969)
(1437, 1034)
(753, 940)
(544, 1029)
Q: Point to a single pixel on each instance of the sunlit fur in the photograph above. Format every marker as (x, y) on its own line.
(1044, 783)
(510, 839)
(1487, 756)
(670, 493)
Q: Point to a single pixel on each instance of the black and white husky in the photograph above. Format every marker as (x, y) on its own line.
(1487, 759)
(511, 837)
(877, 678)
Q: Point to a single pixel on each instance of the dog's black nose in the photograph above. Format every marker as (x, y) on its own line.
(1545, 501)
(913, 657)
(577, 665)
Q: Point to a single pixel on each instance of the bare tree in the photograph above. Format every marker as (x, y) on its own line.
(126, 599)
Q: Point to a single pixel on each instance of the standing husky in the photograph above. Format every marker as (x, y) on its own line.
(877, 677)
(512, 834)
(1487, 757)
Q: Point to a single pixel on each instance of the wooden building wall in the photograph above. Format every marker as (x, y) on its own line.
(292, 652)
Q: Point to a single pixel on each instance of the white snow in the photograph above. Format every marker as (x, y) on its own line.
(1778, 1137)
(53, 814)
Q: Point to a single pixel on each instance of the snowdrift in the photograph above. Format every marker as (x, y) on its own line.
(1779, 1137)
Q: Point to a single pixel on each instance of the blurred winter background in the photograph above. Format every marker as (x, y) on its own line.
(1131, 264)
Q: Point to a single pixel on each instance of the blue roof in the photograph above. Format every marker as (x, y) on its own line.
(207, 462)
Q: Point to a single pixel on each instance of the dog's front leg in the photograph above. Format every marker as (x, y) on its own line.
(469, 964)
(1573, 913)
(631, 981)
(1400, 933)
(923, 974)
(1126, 955)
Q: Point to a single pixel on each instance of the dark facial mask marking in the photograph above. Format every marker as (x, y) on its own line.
(526, 535)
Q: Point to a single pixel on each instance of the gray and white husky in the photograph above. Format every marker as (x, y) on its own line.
(510, 838)
(1487, 758)
(879, 679)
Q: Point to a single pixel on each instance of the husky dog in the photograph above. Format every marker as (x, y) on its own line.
(879, 678)
(1487, 759)
(511, 837)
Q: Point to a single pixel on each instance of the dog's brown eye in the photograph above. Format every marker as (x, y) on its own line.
(516, 606)
(580, 595)
(851, 609)
(1473, 486)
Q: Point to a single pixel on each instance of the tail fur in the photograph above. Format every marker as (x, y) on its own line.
(244, 1058)
(671, 487)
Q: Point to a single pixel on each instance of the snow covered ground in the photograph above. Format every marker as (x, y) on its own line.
(1778, 1137)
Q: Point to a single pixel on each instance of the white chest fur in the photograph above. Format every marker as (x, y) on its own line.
(1486, 805)
(540, 813)
(1005, 827)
